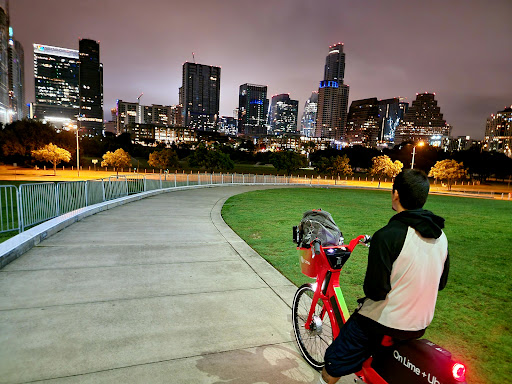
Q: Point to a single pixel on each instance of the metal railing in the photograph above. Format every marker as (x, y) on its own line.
(31, 204)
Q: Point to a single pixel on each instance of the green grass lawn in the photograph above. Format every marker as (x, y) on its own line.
(472, 313)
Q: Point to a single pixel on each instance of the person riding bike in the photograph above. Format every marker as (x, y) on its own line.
(408, 263)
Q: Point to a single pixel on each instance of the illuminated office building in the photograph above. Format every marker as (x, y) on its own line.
(91, 87)
(391, 112)
(252, 109)
(308, 120)
(423, 121)
(498, 132)
(4, 66)
(56, 77)
(200, 95)
(282, 117)
(333, 96)
(16, 80)
(363, 123)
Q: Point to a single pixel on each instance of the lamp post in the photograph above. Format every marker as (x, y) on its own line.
(420, 144)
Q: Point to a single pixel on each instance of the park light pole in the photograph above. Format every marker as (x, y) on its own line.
(420, 144)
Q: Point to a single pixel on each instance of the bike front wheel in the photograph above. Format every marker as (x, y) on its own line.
(314, 340)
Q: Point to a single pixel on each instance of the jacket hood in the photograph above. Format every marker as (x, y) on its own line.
(423, 221)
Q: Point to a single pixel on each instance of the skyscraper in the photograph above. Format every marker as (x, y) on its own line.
(333, 96)
(422, 121)
(16, 80)
(4, 66)
(91, 87)
(498, 132)
(56, 77)
(308, 120)
(283, 113)
(391, 112)
(252, 109)
(363, 123)
(200, 95)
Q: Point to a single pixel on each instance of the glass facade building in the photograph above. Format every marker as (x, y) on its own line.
(363, 123)
(56, 77)
(200, 96)
(4, 67)
(252, 109)
(308, 120)
(91, 87)
(282, 117)
(391, 112)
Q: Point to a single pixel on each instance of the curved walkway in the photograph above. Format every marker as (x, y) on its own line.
(156, 291)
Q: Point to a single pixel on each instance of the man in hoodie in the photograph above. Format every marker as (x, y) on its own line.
(407, 264)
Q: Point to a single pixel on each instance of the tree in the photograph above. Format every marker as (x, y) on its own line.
(448, 170)
(52, 154)
(117, 159)
(210, 159)
(383, 166)
(288, 161)
(335, 166)
(163, 159)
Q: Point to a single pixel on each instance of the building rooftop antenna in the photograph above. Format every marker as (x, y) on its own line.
(193, 57)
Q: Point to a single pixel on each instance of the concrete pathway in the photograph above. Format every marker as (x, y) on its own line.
(155, 291)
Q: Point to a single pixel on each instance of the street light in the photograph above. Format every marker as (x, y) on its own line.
(420, 144)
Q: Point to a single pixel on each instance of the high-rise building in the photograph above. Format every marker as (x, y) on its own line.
(200, 95)
(391, 112)
(16, 80)
(308, 120)
(91, 87)
(4, 66)
(363, 123)
(498, 132)
(333, 96)
(252, 109)
(56, 77)
(422, 121)
(282, 117)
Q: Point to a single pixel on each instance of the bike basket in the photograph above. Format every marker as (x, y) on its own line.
(307, 260)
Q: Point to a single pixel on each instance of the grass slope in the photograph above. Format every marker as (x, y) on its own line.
(472, 312)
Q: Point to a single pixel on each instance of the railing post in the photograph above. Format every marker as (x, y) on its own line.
(243, 178)
(211, 178)
(57, 210)
(187, 179)
(86, 193)
(21, 227)
(103, 189)
(254, 179)
(222, 178)
(175, 184)
(232, 178)
(160, 181)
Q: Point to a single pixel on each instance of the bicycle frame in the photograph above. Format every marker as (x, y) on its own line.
(327, 286)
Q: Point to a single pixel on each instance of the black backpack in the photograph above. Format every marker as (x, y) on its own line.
(318, 224)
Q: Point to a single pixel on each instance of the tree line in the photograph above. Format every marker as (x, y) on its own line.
(27, 141)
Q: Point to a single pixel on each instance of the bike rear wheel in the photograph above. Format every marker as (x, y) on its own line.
(314, 341)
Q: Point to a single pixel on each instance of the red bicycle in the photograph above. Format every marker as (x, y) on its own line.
(319, 310)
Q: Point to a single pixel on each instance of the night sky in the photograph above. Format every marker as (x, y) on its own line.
(459, 49)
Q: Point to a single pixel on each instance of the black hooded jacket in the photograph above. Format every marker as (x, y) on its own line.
(416, 239)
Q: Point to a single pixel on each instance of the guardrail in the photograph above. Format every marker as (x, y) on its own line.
(31, 204)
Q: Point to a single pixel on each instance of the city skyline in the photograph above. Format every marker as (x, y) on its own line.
(459, 54)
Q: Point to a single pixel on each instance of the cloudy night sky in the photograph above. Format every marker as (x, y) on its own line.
(459, 49)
